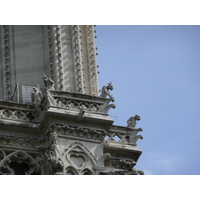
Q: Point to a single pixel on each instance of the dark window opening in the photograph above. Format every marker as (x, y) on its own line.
(20, 169)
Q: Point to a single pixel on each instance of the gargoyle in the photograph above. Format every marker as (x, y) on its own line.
(132, 121)
(105, 90)
(106, 106)
(36, 96)
(132, 136)
(80, 116)
(48, 82)
(54, 159)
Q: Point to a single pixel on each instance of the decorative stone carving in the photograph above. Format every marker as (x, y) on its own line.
(18, 162)
(36, 96)
(18, 142)
(80, 132)
(78, 104)
(61, 132)
(132, 121)
(50, 50)
(52, 151)
(105, 90)
(79, 158)
(7, 63)
(81, 115)
(48, 82)
(92, 60)
(101, 157)
(104, 93)
(126, 136)
(121, 163)
(78, 59)
(122, 166)
(132, 136)
(56, 163)
(15, 115)
(57, 54)
(73, 101)
(106, 106)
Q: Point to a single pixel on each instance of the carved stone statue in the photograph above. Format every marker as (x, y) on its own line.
(54, 159)
(36, 96)
(105, 90)
(132, 121)
(132, 136)
(48, 82)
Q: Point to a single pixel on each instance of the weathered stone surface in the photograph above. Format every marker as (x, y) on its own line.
(52, 119)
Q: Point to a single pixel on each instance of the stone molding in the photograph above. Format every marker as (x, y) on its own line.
(78, 58)
(57, 53)
(121, 166)
(80, 132)
(91, 51)
(50, 51)
(6, 62)
(18, 142)
(120, 163)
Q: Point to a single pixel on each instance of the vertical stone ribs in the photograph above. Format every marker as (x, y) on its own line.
(78, 59)
(58, 57)
(6, 63)
(55, 56)
(92, 60)
(50, 45)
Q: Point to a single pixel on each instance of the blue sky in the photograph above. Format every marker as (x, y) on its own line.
(155, 72)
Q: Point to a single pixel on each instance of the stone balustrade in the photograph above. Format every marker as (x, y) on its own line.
(15, 111)
(75, 101)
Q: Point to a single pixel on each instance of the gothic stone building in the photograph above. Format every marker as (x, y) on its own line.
(53, 119)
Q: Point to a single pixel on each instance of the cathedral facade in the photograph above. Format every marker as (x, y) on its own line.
(53, 117)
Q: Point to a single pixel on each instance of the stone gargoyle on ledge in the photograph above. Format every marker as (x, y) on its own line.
(49, 83)
(127, 135)
(104, 93)
(132, 136)
(36, 96)
(105, 90)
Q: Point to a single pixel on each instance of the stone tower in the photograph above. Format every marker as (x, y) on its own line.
(52, 118)
(66, 54)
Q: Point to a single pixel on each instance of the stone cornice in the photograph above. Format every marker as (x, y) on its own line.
(18, 142)
(83, 133)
